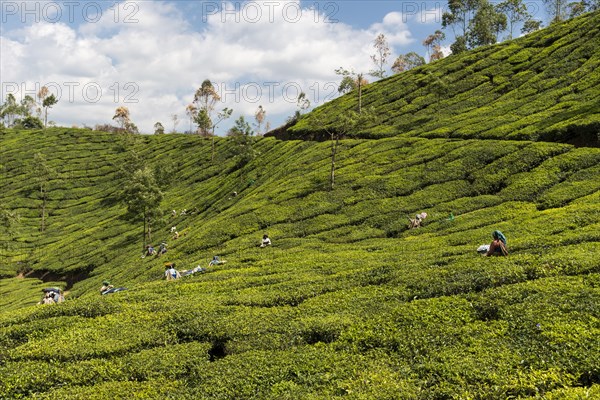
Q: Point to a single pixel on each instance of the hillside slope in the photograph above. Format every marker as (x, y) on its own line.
(346, 295)
(544, 86)
(348, 303)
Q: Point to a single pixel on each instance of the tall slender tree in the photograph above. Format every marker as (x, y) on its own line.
(205, 100)
(191, 112)
(382, 52)
(9, 110)
(243, 136)
(221, 116)
(359, 82)
(486, 25)
(459, 17)
(515, 11)
(557, 9)
(48, 103)
(142, 196)
(433, 45)
(259, 116)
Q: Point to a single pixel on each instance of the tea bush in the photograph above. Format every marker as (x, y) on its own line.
(347, 302)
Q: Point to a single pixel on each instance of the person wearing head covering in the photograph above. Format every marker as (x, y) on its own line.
(265, 241)
(216, 260)
(162, 249)
(105, 287)
(498, 245)
(170, 272)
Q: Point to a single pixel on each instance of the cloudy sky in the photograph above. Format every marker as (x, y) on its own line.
(151, 56)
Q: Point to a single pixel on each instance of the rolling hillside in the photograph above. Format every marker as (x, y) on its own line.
(347, 303)
(543, 86)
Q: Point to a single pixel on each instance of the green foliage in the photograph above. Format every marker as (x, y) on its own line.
(347, 302)
(542, 86)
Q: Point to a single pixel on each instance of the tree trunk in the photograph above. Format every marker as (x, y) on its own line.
(46, 118)
(144, 235)
(212, 155)
(334, 143)
(360, 93)
(43, 195)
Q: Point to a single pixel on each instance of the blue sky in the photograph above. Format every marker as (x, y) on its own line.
(150, 56)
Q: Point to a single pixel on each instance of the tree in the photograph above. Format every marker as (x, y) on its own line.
(577, 8)
(382, 52)
(175, 119)
(359, 82)
(459, 18)
(440, 88)
(42, 173)
(349, 122)
(142, 196)
(433, 45)
(159, 129)
(28, 105)
(121, 116)
(515, 11)
(9, 221)
(30, 122)
(205, 99)
(9, 110)
(259, 116)
(243, 137)
(557, 9)
(221, 116)
(204, 123)
(347, 84)
(48, 103)
(485, 25)
(407, 61)
(531, 25)
(191, 111)
(130, 127)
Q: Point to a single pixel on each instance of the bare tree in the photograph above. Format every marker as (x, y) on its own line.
(175, 119)
(433, 45)
(221, 116)
(191, 110)
(121, 116)
(259, 116)
(382, 52)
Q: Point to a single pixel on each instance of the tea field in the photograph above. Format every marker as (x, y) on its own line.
(543, 86)
(347, 303)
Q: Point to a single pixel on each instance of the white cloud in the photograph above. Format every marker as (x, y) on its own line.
(162, 58)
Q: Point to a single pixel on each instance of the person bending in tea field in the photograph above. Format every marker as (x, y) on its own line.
(265, 241)
(47, 299)
(150, 251)
(216, 260)
(162, 249)
(170, 272)
(106, 286)
(416, 223)
(498, 245)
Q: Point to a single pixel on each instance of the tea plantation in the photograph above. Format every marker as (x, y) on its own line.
(543, 86)
(347, 303)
